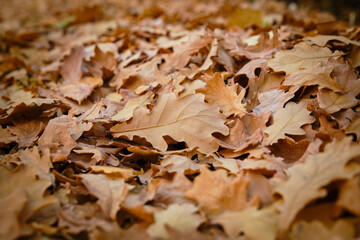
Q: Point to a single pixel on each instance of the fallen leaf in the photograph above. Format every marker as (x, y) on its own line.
(110, 192)
(225, 97)
(215, 192)
(288, 120)
(180, 217)
(303, 55)
(10, 214)
(25, 177)
(312, 176)
(341, 229)
(254, 223)
(181, 125)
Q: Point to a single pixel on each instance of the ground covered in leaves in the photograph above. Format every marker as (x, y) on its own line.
(177, 120)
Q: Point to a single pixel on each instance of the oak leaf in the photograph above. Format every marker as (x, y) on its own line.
(306, 180)
(317, 230)
(26, 178)
(254, 223)
(12, 205)
(127, 112)
(180, 217)
(315, 75)
(348, 195)
(288, 120)
(188, 119)
(303, 55)
(70, 69)
(215, 191)
(224, 96)
(109, 191)
(57, 136)
(333, 102)
(322, 40)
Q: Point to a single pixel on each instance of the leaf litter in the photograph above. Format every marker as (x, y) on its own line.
(177, 120)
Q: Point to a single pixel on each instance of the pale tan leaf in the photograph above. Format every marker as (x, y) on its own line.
(272, 100)
(180, 217)
(254, 223)
(110, 192)
(306, 180)
(127, 112)
(354, 127)
(188, 119)
(317, 230)
(288, 120)
(333, 102)
(313, 75)
(349, 195)
(322, 40)
(303, 55)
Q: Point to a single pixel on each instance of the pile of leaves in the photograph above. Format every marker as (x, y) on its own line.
(178, 120)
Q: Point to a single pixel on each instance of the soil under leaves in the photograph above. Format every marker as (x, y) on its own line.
(177, 120)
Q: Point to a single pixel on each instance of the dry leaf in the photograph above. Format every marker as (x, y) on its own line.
(193, 121)
(225, 97)
(25, 177)
(215, 191)
(316, 230)
(12, 205)
(110, 192)
(288, 120)
(180, 217)
(310, 177)
(255, 224)
(303, 55)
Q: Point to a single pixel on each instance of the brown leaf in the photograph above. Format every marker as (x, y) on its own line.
(179, 119)
(110, 192)
(180, 217)
(312, 176)
(70, 69)
(303, 55)
(316, 230)
(215, 192)
(57, 137)
(225, 97)
(12, 205)
(25, 177)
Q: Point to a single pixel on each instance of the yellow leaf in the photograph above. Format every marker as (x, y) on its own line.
(288, 120)
(188, 119)
(246, 17)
